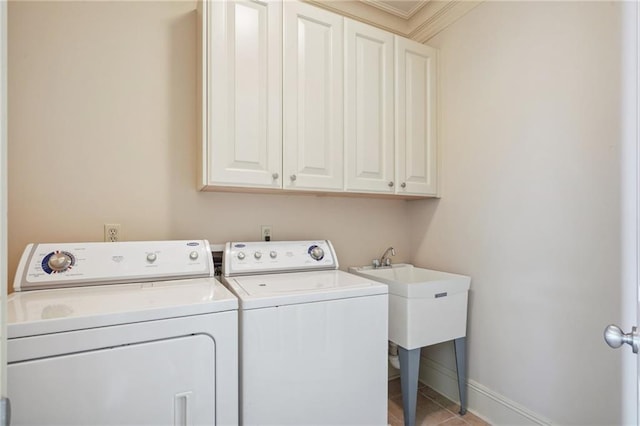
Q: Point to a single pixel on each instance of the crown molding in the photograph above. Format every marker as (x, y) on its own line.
(396, 11)
(436, 16)
(363, 12)
(428, 21)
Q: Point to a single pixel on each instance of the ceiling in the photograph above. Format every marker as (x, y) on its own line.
(401, 8)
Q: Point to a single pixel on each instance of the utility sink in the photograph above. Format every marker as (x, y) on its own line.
(425, 306)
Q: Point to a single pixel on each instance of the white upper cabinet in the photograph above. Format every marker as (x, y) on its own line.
(242, 93)
(416, 143)
(294, 97)
(369, 108)
(313, 98)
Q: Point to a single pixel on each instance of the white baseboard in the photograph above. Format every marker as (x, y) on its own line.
(481, 401)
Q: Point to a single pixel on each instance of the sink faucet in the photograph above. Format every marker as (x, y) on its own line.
(384, 260)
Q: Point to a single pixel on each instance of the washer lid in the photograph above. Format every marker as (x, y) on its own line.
(52, 311)
(260, 291)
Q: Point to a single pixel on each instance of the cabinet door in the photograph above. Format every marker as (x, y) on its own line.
(243, 93)
(369, 117)
(416, 144)
(313, 98)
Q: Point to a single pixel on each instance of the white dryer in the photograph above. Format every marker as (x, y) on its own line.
(313, 339)
(120, 334)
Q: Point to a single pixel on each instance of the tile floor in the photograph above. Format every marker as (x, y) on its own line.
(432, 409)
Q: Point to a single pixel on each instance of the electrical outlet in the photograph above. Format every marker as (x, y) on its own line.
(111, 232)
(266, 232)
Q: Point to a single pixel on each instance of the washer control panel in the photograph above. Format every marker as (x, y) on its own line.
(78, 264)
(263, 257)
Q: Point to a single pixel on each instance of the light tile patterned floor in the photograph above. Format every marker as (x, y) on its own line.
(432, 409)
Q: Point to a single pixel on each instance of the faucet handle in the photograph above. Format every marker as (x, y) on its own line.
(387, 261)
(375, 263)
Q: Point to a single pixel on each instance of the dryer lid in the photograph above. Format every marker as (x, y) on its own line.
(52, 311)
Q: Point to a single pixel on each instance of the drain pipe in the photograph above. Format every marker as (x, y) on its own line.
(393, 355)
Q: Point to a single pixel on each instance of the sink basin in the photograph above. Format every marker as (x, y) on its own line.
(425, 306)
(408, 281)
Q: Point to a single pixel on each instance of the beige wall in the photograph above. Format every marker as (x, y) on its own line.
(531, 136)
(102, 129)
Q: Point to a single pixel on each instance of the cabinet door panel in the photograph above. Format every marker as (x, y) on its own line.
(245, 93)
(416, 118)
(369, 115)
(313, 98)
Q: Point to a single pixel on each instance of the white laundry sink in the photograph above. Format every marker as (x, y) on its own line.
(425, 306)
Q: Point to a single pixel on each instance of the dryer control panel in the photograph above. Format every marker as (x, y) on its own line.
(80, 264)
(264, 257)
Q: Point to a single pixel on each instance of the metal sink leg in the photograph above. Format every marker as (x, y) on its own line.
(409, 369)
(460, 346)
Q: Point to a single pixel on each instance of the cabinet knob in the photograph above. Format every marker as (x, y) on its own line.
(293, 177)
(403, 185)
(275, 176)
(390, 184)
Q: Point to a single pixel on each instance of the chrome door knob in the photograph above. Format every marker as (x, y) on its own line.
(403, 184)
(275, 176)
(293, 177)
(615, 337)
(390, 184)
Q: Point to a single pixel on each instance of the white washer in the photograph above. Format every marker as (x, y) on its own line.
(313, 339)
(122, 333)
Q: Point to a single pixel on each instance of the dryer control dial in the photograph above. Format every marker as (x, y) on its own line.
(316, 252)
(58, 261)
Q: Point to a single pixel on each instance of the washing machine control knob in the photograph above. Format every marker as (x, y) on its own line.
(151, 257)
(273, 254)
(316, 252)
(257, 255)
(59, 262)
(193, 255)
(241, 255)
